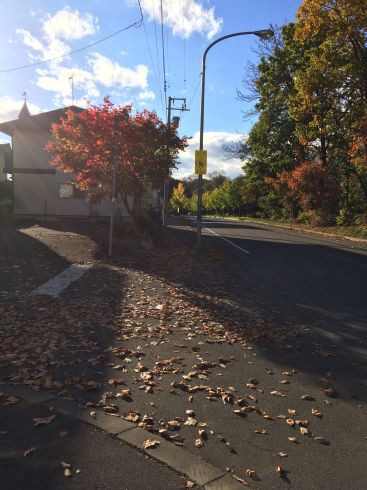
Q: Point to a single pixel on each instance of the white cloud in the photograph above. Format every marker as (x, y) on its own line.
(69, 25)
(110, 73)
(146, 95)
(10, 108)
(184, 17)
(66, 25)
(217, 158)
(57, 80)
(30, 40)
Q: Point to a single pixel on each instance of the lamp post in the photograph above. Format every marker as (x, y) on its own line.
(264, 34)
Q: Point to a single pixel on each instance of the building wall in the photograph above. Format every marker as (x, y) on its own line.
(36, 188)
(2, 166)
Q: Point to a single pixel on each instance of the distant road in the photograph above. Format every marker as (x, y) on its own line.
(311, 275)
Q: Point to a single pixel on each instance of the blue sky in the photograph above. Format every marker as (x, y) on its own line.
(121, 67)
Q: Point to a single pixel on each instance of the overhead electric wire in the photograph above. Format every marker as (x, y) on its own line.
(195, 91)
(136, 24)
(163, 56)
(156, 46)
(167, 50)
(154, 69)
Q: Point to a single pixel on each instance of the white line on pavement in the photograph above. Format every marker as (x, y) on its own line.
(348, 260)
(228, 241)
(54, 286)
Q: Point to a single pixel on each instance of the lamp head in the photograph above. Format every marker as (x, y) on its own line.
(265, 34)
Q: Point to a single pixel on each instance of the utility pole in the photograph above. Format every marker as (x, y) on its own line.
(114, 163)
(171, 102)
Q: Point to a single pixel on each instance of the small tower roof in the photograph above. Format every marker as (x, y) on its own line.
(24, 111)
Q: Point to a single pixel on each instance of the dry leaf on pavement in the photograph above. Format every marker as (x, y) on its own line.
(43, 420)
(252, 474)
(308, 398)
(322, 440)
(293, 439)
(29, 451)
(150, 443)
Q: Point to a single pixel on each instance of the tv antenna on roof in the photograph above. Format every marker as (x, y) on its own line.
(24, 94)
(72, 88)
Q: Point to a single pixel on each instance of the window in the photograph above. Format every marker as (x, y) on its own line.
(66, 191)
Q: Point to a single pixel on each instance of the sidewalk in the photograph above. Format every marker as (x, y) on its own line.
(176, 343)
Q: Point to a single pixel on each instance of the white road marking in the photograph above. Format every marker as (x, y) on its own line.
(228, 241)
(54, 286)
(348, 260)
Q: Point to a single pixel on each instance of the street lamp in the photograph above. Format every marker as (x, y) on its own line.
(265, 35)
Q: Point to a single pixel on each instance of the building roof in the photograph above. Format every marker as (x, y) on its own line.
(24, 112)
(41, 121)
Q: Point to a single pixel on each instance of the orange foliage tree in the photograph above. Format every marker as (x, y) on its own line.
(311, 186)
(84, 143)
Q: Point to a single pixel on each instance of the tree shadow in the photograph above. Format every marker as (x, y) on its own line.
(279, 287)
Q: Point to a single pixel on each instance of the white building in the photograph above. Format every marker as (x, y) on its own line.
(40, 189)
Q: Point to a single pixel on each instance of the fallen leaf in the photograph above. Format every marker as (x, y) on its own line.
(93, 415)
(280, 469)
(316, 413)
(284, 382)
(277, 393)
(321, 440)
(67, 468)
(290, 422)
(173, 425)
(199, 443)
(29, 451)
(293, 439)
(282, 455)
(292, 411)
(189, 484)
(252, 474)
(308, 398)
(304, 431)
(328, 392)
(240, 480)
(261, 431)
(43, 420)
(150, 444)
(191, 421)
(11, 400)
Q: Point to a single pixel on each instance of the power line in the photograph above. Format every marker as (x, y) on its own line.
(184, 54)
(167, 50)
(154, 68)
(156, 46)
(195, 91)
(136, 24)
(163, 57)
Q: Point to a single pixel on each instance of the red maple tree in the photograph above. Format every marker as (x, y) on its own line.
(85, 144)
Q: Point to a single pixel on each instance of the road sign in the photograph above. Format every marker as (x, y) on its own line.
(200, 162)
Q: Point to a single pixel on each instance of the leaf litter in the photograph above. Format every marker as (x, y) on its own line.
(38, 360)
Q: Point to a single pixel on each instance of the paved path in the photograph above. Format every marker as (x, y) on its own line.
(174, 328)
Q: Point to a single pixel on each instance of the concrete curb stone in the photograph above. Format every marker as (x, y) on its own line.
(177, 458)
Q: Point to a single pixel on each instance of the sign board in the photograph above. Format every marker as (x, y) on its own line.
(201, 162)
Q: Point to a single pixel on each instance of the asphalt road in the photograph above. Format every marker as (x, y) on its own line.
(306, 277)
(304, 271)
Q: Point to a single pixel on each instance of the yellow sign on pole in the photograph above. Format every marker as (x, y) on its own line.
(201, 162)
